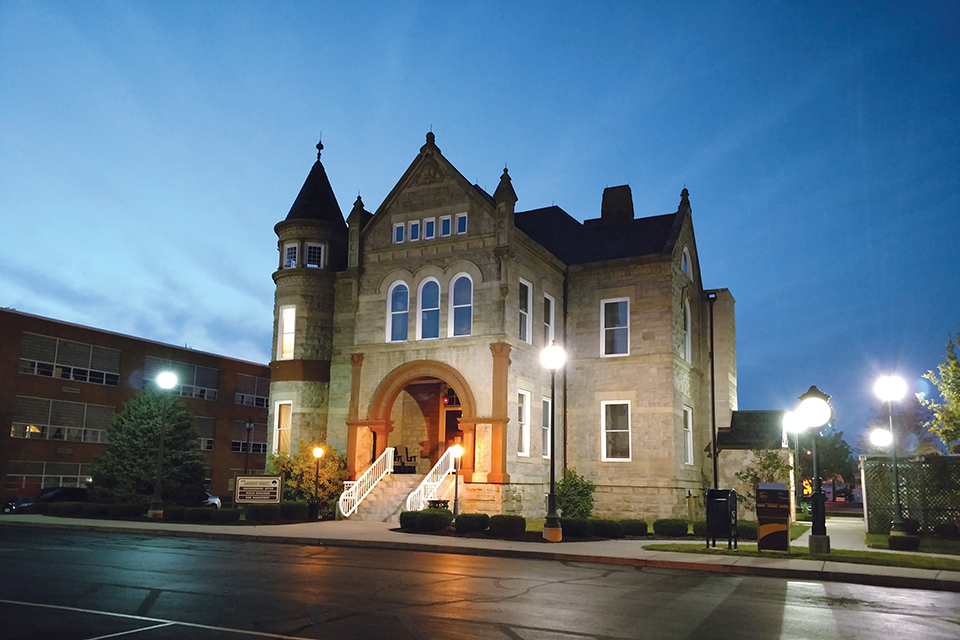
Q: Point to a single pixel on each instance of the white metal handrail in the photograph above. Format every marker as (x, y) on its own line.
(427, 490)
(355, 491)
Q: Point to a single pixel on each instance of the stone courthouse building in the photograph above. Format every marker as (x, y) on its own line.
(421, 325)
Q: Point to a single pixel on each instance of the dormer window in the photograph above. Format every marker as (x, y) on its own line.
(290, 256)
(314, 256)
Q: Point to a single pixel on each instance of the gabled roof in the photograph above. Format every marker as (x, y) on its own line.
(316, 200)
(753, 430)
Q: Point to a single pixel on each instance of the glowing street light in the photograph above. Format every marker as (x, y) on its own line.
(166, 380)
(891, 389)
(457, 452)
(881, 438)
(315, 503)
(814, 412)
(553, 358)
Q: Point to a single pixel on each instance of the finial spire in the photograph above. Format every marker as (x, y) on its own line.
(319, 149)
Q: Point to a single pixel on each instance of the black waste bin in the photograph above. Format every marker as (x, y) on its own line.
(773, 517)
(721, 516)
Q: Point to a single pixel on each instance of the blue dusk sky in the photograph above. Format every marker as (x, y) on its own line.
(148, 148)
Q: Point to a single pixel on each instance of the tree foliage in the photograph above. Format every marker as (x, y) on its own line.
(945, 422)
(834, 457)
(300, 472)
(127, 469)
(767, 465)
(574, 495)
(910, 419)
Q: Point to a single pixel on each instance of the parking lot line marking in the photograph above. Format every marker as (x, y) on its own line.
(132, 631)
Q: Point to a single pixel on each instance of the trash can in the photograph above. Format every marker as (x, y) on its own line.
(773, 517)
(721, 516)
(313, 509)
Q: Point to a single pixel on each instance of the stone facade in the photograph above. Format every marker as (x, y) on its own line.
(429, 331)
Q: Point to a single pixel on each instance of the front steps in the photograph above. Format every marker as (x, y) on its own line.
(388, 498)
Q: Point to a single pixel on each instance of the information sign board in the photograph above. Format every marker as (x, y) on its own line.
(258, 489)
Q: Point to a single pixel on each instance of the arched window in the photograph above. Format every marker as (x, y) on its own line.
(687, 332)
(461, 306)
(398, 300)
(686, 264)
(429, 327)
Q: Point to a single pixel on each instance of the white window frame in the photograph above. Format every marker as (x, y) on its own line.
(687, 435)
(547, 403)
(604, 328)
(306, 255)
(276, 424)
(523, 423)
(452, 309)
(286, 255)
(549, 319)
(428, 232)
(603, 431)
(525, 334)
(421, 309)
(413, 230)
(687, 332)
(286, 328)
(398, 232)
(391, 312)
(449, 230)
(456, 227)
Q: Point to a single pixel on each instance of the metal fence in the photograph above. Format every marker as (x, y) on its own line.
(929, 490)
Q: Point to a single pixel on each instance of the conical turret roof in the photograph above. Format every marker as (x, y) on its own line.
(316, 200)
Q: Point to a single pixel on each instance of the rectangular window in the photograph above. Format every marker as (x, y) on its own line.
(281, 443)
(526, 293)
(252, 391)
(615, 335)
(523, 421)
(43, 419)
(192, 381)
(414, 231)
(461, 224)
(75, 361)
(548, 333)
(687, 435)
(290, 256)
(288, 325)
(429, 228)
(257, 438)
(315, 256)
(26, 477)
(398, 230)
(445, 228)
(545, 428)
(616, 430)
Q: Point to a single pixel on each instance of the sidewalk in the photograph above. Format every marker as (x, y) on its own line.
(843, 533)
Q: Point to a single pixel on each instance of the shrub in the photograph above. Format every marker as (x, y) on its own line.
(294, 510)
(700, 528)
(904, 543)
(472, 522)
(225, 516)
(263, 512)
(746, 530)
(430, 520)
(575, 527)
(174, 514)
(911, 526)
(634, 527)
(670, 527)
(507, 526)
(125, 510)
(605, 528)
(65, 509)
(197, 514)
(93, 510)
(947, 530)
(408, 520)
(575, 495)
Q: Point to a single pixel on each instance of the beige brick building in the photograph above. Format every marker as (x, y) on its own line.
(421, 325)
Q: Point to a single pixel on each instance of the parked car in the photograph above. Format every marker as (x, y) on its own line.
(212, 501)
(51, 494)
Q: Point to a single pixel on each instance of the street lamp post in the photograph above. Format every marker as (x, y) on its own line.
(246, 460)
(815, 411)
(553, 358)
(457, 452)
(890, 389)
(315, 503)
(166, 381)
(792, 423)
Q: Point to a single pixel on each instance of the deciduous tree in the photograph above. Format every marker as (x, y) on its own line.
(767, 465)
(946, 415)
(300, 472)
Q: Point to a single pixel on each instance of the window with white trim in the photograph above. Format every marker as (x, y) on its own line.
(461, 306)
(548, 319)
(290, 255)
(615, 322)
(287, 326)
(414, 230)
(67, 360)
(446, 227)
(397, 314)
(28, 477)
(281, 440)
(428, 326)
(193, 381)
(46, 419)
(523, 421)
(687, 332)
(252, 391)
(257, 438)
(206, 431)
(461, 224)
(526, 302)
(398, 232)
(615, 426)
(687, 435)
(545, 428)
(429, 228)
(314, 255)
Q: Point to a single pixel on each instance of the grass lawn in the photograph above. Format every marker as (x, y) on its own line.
(928, 545)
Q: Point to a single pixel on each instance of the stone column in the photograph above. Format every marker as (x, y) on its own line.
(500, 417)
(356, 361)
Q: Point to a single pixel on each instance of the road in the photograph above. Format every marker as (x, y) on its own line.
(72, 585)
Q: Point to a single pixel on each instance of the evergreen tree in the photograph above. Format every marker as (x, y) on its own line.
(946, 416)
(127, 470)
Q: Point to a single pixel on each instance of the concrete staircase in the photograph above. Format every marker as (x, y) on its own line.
(388, 498)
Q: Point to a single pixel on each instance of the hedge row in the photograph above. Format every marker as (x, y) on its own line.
(87, 509)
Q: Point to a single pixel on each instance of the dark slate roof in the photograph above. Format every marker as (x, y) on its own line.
(596, 240)
(316, 200)
(753, 430)
(486, 196)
